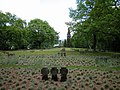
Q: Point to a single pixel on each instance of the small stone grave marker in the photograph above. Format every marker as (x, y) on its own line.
(44, 72)
(54, 72)
(62, 52)
(63, 72)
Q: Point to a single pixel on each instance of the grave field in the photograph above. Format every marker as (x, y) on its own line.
(21, 70)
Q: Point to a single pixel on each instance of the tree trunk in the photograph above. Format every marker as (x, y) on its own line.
(94, 41)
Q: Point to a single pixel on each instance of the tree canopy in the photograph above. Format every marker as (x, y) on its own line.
(42, 34)
(96, 24)
(16, 33)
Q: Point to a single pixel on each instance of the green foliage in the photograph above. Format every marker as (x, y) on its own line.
(97, 24)
(42, 34)
(65, 43)
(13, 33)
(16, 34)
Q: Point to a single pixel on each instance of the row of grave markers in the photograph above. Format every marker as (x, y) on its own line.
(54, 72)
(62, 52)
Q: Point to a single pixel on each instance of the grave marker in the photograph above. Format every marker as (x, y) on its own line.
(63, 72)
(54, 72)
(62, 52)
(44, 72)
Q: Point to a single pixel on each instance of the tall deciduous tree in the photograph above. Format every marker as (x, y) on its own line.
(98, 21)
(42, 35)
(16, 34)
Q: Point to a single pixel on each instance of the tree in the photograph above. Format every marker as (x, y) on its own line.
(42, 35)
(82, 28)
(12, 32)
(68, 42)
(65, 43)
(16, 34)
(98, 21)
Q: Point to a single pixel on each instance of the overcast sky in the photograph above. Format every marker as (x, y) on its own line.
(55, 12)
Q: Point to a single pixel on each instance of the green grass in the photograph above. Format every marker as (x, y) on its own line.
(93, 68)
(69, 67)
(20, 66)
(91, 53)
(99, 53)
(70, 51)
(43, 51)
(54, 51)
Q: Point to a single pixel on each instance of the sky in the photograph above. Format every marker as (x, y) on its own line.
(55, 12)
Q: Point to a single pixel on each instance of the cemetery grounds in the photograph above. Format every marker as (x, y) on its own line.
(21, 70)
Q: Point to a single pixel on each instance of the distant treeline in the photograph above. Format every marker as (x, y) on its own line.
(16, 33)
